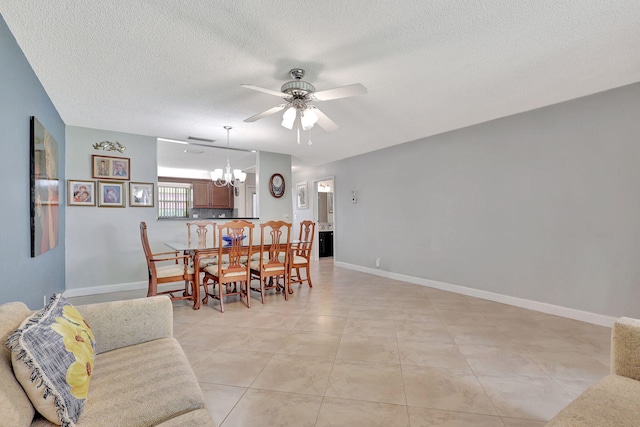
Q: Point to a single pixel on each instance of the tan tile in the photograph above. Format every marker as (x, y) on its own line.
(355, 413)
(516, 422)
(315, 344)
(480, 334)
(195, 354)
(232, 367)
(294, 374)
(448, 389)
(220, 399)
(319, 323)
(574, 387)
(422, 331)
(531, 398)
(415, 315)
(265, 340)
(570, 365)
(369, 327)
(366, 381)
(560, 357)
(500, 360)
(368, 349)
(273, 408)
(423, 417)
(433, 354)
(370, 311)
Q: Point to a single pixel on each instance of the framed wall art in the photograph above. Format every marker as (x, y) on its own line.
(111, 194)
(141, 194)
(110, 167)
(44, 200)
(81, 193)
(301, 195)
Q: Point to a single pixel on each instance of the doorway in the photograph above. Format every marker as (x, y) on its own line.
(325, 217)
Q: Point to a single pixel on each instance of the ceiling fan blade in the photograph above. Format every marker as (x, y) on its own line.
(266, 113)
(323, 121)
(340, 92)
(265, 90)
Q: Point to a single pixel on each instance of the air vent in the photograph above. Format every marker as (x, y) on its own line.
(195, 138)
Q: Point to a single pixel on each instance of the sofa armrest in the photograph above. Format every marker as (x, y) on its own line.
(625, 348)
(123, 323)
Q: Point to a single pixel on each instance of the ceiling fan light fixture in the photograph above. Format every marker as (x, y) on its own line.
(289, 117)
(308, 118)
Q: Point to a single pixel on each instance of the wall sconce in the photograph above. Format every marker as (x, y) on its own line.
(109, 146)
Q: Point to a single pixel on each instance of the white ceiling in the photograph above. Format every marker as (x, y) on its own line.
(174, 68)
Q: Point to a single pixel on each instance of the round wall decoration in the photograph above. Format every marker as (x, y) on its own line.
(276, 185)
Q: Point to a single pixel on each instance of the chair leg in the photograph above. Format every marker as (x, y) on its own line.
(247, 287)
(152, 290)
(285, 289)
(205, 282)
(309, 277)
(221, 286)
(262, 288)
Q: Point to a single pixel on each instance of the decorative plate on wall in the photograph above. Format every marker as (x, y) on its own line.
(276, 185)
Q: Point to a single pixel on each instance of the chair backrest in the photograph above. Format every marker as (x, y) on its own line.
(307, 232)
(275, 240)
(201, 231)
(146, 248)
(236, 249)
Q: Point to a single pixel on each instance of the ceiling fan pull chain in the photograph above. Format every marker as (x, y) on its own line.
(298, 128)
(310, 137)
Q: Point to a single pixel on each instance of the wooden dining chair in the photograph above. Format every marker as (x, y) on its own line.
(235, 239)
(198, 231)
(169, 267)
(272, 263)
(301, 254)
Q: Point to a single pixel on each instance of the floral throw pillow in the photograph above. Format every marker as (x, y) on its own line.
(52, 355)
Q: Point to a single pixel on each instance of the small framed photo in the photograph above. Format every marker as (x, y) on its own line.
(81, 193)
(301, 195)
(111, 194)
(110, 167)
(141, 194)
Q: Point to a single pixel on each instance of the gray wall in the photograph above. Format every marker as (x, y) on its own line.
(542, 206)
(21, 96)
(103, 244)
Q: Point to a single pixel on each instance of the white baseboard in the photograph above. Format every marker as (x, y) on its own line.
(570, 313)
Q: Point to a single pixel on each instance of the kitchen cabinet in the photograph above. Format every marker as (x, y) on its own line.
(325, 247)
(207, 195)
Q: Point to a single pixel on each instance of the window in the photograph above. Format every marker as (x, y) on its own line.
(174, 200)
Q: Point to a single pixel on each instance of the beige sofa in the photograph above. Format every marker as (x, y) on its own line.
(615, 400)
(141, 375)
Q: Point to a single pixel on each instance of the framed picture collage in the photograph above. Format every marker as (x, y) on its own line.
(110, 190)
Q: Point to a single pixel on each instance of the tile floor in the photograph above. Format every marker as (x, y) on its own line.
(361, 350)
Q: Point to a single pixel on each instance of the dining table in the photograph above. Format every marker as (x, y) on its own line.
(193, 250)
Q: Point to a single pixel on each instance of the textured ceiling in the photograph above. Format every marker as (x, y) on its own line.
(173, 69)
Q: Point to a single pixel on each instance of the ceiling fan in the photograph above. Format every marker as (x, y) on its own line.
(298, 95)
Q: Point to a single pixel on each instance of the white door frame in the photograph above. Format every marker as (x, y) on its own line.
(316, 238)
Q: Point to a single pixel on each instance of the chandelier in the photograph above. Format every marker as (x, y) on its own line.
(225, 178)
